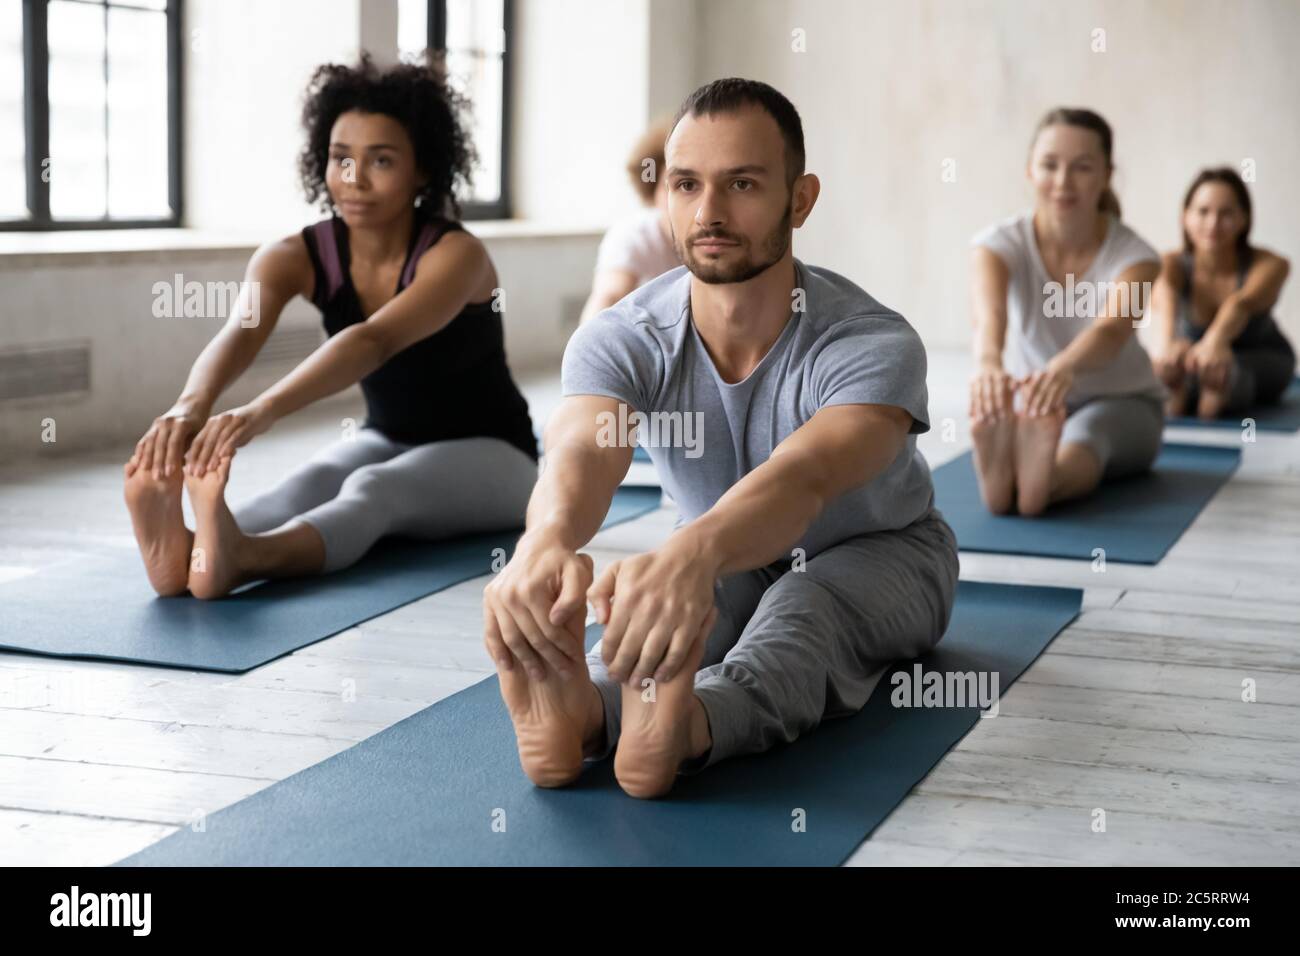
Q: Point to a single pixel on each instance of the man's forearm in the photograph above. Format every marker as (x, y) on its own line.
(763, 515)
(568, 504)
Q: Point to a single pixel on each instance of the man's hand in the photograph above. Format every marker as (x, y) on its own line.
(530, 606)
(654, 607)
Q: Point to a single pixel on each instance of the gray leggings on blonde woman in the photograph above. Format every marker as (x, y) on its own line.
(355, 491)
(1123, 430)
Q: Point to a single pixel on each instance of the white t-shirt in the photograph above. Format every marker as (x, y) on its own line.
(638, 245)
(1044, 317)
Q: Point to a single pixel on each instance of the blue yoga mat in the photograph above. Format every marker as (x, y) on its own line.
(1136, 519)
(428, 790)
(103, 608)
(1282, 417)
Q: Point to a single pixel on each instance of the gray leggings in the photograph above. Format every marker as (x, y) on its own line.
(791, 648)
(1124, 431)
(355, 491)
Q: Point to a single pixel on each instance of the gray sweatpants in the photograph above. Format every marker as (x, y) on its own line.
(790, 648)
(355, 491)
(1123, 430)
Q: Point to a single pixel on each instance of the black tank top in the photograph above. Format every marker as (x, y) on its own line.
(452, 384)
(1260, 332)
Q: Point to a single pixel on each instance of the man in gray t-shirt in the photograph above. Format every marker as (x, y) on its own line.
(780, 405)
(704, 434)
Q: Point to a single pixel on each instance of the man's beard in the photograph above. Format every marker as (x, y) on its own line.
(773, 247)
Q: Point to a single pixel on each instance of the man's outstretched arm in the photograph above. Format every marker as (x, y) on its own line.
(665, 597)
(536, 605)
(761, 517)
(578, 477)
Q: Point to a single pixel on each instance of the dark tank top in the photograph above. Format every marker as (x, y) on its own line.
(1260, 332)
(452, 384)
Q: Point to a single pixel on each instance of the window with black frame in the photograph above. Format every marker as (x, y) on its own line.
(475, 37)
(89, 114)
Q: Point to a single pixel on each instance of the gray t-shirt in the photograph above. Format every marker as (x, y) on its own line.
(1041, 320)
(844, 348)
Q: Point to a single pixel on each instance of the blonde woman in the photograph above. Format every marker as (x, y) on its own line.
(1064, 395)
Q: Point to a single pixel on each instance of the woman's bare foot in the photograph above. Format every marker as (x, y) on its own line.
(995, 464)
(557, 722)
(1211, 402)
(1176, 403)
(658, 734)
(1037, 437)
(217, 567)
(159, 525)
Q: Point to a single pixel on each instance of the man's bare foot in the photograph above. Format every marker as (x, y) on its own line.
(219, 545)
(1037, 437)
(995, 464)
(557, 722)
(159, 525)
(661, 732)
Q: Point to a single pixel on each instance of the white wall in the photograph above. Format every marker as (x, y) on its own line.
(588, 76)
(580, 101)
(246, 64)
(890, 88)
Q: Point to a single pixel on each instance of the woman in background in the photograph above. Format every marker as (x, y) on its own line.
(1220, 350)
(640, 247)
(1052, 292)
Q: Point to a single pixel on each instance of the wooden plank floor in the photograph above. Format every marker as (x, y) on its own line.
(1135, 709)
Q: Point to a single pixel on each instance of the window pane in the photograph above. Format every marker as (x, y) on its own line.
(476, 25)
(137, 114)
(77, 144)
(479, 78)
(13, 178)
(412, 27)
(144, 4)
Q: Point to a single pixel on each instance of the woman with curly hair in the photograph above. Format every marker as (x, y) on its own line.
(408, 302)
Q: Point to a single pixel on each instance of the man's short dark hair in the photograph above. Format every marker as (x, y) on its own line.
(733, 94)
